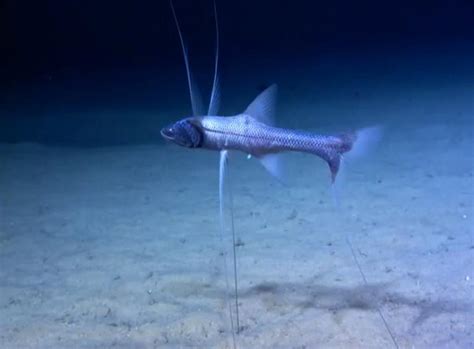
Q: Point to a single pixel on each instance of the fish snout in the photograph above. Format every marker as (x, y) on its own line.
(167, 133)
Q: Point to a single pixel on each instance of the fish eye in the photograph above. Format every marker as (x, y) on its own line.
(167, 132)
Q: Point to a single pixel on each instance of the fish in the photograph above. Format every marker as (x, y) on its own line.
(255, 133)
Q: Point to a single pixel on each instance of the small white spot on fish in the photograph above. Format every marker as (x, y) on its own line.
(249, 156)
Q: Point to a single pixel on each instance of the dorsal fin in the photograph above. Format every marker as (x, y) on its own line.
(263, 106)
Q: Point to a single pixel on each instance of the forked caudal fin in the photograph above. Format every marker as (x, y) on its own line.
(353, 145)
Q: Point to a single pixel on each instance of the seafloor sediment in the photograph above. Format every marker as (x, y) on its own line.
(119, 247)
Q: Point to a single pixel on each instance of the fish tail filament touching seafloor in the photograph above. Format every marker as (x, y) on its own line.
(254, 132)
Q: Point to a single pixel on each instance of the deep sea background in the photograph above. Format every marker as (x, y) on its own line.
(105, 73)
(109, 236)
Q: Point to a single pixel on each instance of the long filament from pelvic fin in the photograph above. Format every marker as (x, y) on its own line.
(222, 173)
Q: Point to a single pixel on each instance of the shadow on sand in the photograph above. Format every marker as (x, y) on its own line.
(337, 299)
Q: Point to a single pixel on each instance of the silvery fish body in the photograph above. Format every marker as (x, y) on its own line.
(244, 133)
(253, 133)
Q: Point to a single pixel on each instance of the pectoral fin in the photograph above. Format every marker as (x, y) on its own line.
(193, 90)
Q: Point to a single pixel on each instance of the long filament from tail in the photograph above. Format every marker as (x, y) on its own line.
(222, 172)
(379, 311)
(336, 197)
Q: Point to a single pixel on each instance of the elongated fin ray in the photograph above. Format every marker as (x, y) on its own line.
(196, 103)
(366, 283)
(263, 106)
(215, 93)
(362, 142)
(222, 173)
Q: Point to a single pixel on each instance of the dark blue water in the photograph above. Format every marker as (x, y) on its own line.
(109, 237)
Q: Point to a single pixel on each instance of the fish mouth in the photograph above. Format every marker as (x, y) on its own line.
(167, 134)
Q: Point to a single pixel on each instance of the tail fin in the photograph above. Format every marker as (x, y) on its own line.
(366, 139)
(354, 145)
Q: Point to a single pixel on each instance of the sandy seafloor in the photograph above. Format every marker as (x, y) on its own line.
(119, 247)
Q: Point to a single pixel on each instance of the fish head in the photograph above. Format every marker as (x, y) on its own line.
(184, 133)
